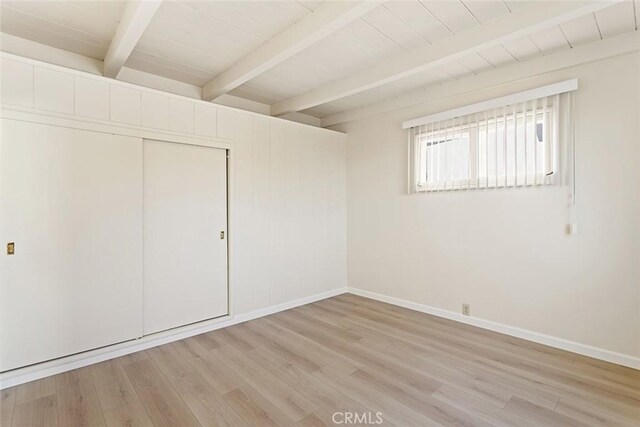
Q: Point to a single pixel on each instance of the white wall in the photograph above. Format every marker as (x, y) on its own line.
(505, 251)
(288, 181)
(290, 212)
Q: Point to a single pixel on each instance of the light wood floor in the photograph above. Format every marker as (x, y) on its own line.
(344, 354)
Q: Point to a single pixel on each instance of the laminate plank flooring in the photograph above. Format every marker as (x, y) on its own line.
(345, 359)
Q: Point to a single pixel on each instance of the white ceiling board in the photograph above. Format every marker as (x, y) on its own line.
(189, 28)
(310, 4)
(294, 72)
(368, 35)
(49, 54)
(110, 11)
(601, 49)
(517, 4)
(419, 19)
(497, 56)
(432, 77)
(458, 70)
(294, 39)
(40, 30)
(263, 15)
(486, 10)
(277, 87)
(392, 90)
(360, 44)
(291, 11)
(149, 63)
(522, 48)
(248, 17)
(344, 55)
(97, 18)
(325, 61)
(616, 19)
(581, 30)
(395, 29)
(174, 50)
(178, 53)
(215, 29)
(212, 36)
(550, 40)
(453, 14)
(502, 28)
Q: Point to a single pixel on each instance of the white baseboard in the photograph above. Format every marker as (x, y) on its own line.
(64, 364)
(586, 350)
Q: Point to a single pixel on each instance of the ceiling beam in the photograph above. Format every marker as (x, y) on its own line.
(541, 66)
(520, 23)
(313, 27)
(135, 19)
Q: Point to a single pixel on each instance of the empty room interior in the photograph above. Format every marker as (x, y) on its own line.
(319, 213)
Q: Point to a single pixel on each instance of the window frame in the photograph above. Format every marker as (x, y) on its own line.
(475, 179)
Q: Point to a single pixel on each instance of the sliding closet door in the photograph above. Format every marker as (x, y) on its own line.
(185, 226)
(71, 202)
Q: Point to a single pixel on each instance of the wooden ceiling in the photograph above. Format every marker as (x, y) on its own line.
(204, 42)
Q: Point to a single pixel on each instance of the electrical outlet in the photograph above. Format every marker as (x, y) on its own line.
(572, 229)
(466, 309)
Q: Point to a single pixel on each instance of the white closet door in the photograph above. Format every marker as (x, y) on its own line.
(71, 201)
(185, 212)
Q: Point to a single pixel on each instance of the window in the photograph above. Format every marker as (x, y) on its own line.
(514, 145)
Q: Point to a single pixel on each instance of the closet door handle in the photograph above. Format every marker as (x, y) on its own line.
(222, 235)
(11, 248)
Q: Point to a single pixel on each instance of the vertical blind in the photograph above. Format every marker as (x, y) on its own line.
(528, 143)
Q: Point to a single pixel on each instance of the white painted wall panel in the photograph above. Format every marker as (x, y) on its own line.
(53, 90)
(91, 98)
(295, 194)
(205, 120)
(275, 257)
(180, 115)
(227, 124)
(277, 211)
(125, 104)
(260, 214)
(309, 185)
(243, 251)
(16, 86)
(154, 111)
(322, 254)
(279, 255)
(337, 210)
